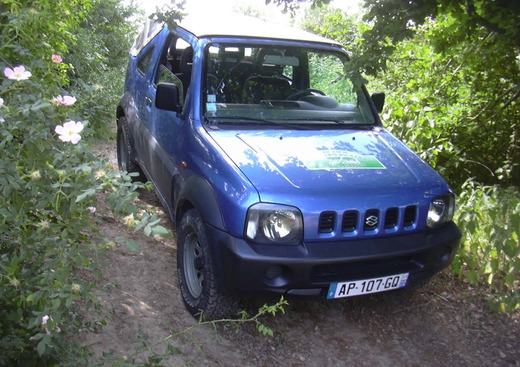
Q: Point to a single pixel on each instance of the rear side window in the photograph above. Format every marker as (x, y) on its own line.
(144, 61)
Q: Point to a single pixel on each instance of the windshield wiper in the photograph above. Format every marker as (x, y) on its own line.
(334, 121)
(256, 121)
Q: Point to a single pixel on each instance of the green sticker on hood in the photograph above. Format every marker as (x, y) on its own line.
(339, 159)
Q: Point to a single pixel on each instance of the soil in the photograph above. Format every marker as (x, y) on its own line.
(445, 323)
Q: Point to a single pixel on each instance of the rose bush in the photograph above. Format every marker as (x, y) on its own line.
(49, 181)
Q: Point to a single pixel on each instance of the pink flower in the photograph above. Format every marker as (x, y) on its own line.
(17, 73)
(69, 132)
(92, 209)
(45, 319)
(56, 59)
(1, 102)
(63, 101)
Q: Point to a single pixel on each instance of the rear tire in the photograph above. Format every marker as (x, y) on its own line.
(126, 154)
(197, 281)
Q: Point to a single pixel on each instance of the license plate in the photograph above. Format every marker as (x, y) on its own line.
(367, 286)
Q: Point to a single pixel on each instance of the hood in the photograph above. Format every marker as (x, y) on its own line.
(286, 164)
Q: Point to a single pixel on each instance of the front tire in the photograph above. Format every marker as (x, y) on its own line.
(197, 281)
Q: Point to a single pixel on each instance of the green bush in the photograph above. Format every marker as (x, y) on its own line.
(47, 210)
(489, 217)
(49, 177)
(99, 55)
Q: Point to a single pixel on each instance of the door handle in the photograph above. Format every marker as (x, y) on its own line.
(148, 102)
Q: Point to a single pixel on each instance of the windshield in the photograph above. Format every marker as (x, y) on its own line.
(297, 85)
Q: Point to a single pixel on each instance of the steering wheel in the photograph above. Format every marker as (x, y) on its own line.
(304, 92)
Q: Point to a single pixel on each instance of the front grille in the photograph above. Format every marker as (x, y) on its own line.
(327, 220)
(350, 219)
(410, 214)
(386, 220)
(391, 217)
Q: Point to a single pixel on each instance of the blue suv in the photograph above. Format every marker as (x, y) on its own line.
(271, 159)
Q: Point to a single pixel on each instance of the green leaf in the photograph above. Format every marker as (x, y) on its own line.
(40, 105)
(147, 231)
(510, 279)
(41, 348)
(87, 193)
(472, 277)
(131, 244)
(162, 231)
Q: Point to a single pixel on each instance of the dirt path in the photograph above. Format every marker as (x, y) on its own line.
(443, 324)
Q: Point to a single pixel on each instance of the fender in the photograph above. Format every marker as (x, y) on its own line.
(126, 107)
(198, 193)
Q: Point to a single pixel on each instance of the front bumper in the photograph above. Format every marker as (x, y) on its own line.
(246, 269)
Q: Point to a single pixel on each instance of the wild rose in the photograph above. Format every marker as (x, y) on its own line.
(45, 319)
(36, 175)
(63, 101)
(130, 221)
(56, 59)
(15, 282)
(69, 132)
(44, 225)
(99, 174)
(17, 73)
(75, 288)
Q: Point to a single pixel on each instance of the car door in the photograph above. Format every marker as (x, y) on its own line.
(174, 67)
(141, 127)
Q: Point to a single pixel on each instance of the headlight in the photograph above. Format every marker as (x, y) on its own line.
(441, 210)
(273, 223)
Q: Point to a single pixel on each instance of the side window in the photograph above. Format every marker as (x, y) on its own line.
(176, 64)
(144, 61)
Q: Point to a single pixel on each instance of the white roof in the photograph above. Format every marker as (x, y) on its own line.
(244, 26)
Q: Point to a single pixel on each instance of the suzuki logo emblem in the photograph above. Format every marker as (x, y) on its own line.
(371, 221)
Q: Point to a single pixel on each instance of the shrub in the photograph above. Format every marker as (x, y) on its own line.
(489, 217)
(48, 180)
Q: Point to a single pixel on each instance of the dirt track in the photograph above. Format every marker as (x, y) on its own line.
(445, 323)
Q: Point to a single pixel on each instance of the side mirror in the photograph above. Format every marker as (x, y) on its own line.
(379, 100)
(167, 97)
